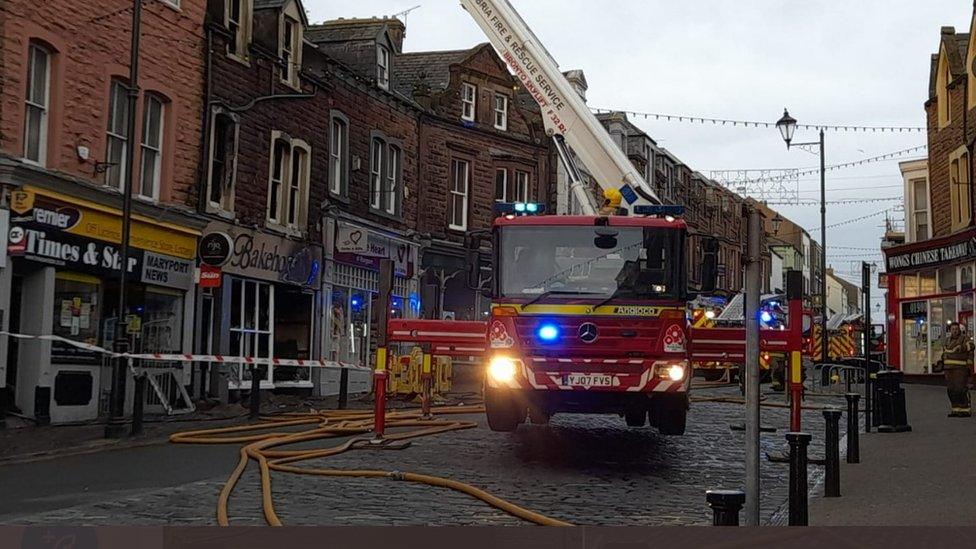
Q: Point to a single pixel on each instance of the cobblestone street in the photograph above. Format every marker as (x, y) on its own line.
(588, 470)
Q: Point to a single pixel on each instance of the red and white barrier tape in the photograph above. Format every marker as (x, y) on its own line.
(173, 357)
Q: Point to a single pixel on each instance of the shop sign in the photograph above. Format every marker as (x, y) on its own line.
(29, 206)
(914, 309)
(216, 249)
(362, 247)
(210, 277)
(934, 256)
(45, 244)
(268, 257)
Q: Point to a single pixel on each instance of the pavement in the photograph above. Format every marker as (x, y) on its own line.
(926, 477)
(588, 470)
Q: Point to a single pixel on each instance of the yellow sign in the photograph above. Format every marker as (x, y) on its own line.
(103, 223)
(133, 324)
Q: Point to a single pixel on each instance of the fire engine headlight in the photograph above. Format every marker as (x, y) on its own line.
(502, 369)
(676, 372)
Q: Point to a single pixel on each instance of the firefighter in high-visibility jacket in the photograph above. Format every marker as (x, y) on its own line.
(956, 354)
(611, 202)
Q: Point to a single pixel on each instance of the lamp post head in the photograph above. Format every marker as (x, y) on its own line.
(786, 126)
(777, 222)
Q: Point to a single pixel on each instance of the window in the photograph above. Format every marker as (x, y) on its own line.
(339, 155)
(238, 19)
(461, 170)
(223, 162)
(174, 3)
(920, 209)
(288, 184)
(383, 67)
(279, 163)
(521, 186)
(152, 147)
(118, 140)
(376, 174)
(960, 193)
(386, 176)
(469, 95)
(392, 180)
(943, 101)
(251, 327)
(501, 112)
(290, 50)
(38, 104)
(501, 185)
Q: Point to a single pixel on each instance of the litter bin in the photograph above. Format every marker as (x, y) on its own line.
(891, 413)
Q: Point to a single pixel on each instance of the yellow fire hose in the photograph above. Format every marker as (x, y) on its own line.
(260, 440)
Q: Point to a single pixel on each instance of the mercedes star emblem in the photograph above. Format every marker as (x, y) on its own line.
(588, 332)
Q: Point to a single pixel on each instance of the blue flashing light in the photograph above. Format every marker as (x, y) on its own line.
(519, 208)
(659, 210)
(547, 333)
(766, 317)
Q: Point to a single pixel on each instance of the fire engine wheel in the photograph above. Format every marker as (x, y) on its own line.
(670, 415)
(635, 416)
(504, 412)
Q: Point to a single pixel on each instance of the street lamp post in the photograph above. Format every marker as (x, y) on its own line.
(786, 126)
(116, 428)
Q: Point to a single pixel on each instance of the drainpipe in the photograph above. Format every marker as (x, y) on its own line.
(203, 174)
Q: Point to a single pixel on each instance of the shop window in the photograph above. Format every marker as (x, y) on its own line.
(292, 333)
(223, 161)
(152, 146)
(459, 195)
(37, 104)
(77, 316)
(117, 134)
(469, 94)
(947, 280)
(251, 310)
(966, 277)
(161, 313)
(908, 285)
(914, 337)
(926, 283)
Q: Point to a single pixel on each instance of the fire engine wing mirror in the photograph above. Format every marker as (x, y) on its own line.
(709, 267)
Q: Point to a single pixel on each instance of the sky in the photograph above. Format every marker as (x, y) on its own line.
(863, 62)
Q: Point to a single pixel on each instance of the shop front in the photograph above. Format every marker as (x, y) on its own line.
(353, 254)
(930, 285)
(259, 296)
(66, 265)
(445, 283)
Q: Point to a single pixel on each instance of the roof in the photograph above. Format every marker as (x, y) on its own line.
(956, 47)
(345, 30)
(432, 68)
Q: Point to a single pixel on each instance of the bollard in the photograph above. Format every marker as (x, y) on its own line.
(255, 393)
(343, 388)
(832, 454)
(853, 428)
(138, 404)
(379, 392)
(799, 515)
(725, 505)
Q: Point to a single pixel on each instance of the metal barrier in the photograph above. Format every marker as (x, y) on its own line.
(835, 379)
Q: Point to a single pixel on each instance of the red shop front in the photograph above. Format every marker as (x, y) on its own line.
(930, 284)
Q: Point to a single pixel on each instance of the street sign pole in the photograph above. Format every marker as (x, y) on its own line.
(753, 287)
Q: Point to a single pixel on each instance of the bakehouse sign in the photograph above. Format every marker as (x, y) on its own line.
(935, 256)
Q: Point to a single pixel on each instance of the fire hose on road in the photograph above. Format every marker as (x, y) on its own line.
(261, 440)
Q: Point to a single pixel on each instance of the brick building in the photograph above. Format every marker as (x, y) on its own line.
(311, 179)
(64, 139)
(930, 276)
(479, 144)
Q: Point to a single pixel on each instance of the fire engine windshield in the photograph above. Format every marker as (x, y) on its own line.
(591, 262)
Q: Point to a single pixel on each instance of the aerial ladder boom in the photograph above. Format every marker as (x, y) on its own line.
(567, 118)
